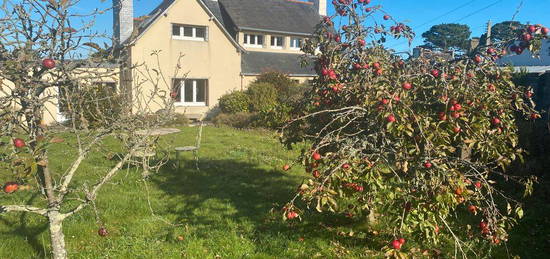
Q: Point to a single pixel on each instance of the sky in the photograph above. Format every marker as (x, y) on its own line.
(420, 15)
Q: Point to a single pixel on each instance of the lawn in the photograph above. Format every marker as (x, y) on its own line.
(228, 209)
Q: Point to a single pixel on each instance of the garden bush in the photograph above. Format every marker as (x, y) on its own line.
(280, 81)
(235, 102)
(263, 96)
(238, 120)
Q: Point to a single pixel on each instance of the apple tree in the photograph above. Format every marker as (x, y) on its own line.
(46, 61)
(417, 146)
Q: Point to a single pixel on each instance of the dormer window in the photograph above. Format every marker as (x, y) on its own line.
(188, 32)
(276, 42)
(295, 43)
(253, 40)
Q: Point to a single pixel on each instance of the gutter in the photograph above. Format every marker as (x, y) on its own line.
(274, 31)
(295, 75)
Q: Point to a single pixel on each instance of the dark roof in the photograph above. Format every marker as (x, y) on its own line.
(214, 7)
(256, 62)
(272, 15)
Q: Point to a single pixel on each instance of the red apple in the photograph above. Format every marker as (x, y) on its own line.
(102, 232)
(491, 51)
(286, 167)
(324, 72)
(386, 17)
(482, 225)
(527, 37)
(491, 87)
(545, 31)
(434, 72)
(390, 118)
(19, 143)
(477, 59)
(376, 65)
(472, 209)
(396, 244)
(291, 215)
(457, 129)
(361, 42)
(402, 241)
(457, 107)
(427, 164)
(11, 187)
(316, 173)
(442, 116)
(407, 86)
(534, 116)
(458, 191)
(48, 63)
(316, 156)
(368, 10)
(345, 166)
(384, 101)
(495, 121)
(531, 28)
(378, 72)
(477, 185)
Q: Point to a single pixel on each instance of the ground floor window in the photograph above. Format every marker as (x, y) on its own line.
(191, 92)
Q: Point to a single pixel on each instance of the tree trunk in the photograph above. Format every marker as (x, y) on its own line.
(56, 235)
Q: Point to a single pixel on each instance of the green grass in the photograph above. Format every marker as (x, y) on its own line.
(230, 208)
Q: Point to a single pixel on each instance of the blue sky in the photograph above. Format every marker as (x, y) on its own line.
(419, 14)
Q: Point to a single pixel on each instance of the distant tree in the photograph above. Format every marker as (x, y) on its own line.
(503, 31)
(448, 36)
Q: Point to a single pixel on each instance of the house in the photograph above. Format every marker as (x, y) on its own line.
(225, 43)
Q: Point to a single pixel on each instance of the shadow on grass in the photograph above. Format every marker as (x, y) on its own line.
(27, 232)
(254, 196)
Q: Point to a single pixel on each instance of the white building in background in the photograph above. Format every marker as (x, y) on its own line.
(529, 63)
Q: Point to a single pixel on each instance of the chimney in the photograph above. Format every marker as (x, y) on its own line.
(123, 20)
(320, 5)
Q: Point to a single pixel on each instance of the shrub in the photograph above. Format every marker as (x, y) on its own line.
(273, 118)
(178, 119)
(263, 96)
(237, 101)
(237, 120)
(280, 81)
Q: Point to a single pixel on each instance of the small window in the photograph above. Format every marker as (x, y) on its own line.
(191, 92)
(253, 40)
(188, 32)
(295, 43)
(176, 30)
(276, 42)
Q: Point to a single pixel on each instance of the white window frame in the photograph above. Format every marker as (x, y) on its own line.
(301, 40)
(249, 37)
(276, 41)
(194, 33)
(194, 103)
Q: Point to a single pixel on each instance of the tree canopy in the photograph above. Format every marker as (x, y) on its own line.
(504, 31)
(448, 36)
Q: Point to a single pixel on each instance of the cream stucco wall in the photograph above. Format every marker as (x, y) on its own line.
(216, 59)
